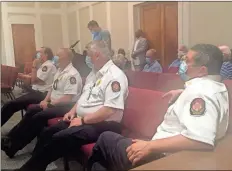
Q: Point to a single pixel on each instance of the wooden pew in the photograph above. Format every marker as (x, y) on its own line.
(219, 159)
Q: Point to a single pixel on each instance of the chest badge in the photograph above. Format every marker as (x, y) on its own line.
(197, 107)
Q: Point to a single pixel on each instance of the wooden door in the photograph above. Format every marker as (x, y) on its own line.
(159, 21)
(24, 43)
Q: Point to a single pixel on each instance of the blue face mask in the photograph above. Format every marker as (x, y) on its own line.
(148, 60)
(88, 62)
(182, 71)
(38, 55)
(55, 60)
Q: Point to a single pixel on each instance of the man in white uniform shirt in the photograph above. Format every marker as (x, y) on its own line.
(100, 108)
(66, 89)
(41, 79)
(195, 121)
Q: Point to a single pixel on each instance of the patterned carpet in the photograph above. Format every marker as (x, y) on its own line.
(22, 156)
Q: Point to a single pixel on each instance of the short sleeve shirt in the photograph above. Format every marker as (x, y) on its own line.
(67, 82)
(154, 67)
(200, 113)
(110, 89)
(46, 73)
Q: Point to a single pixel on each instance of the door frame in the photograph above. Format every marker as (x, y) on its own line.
(183, 21)
(17, 19)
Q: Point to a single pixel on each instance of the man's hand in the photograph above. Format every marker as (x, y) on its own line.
(75, 122)
(43, 104)
(138, 151)
(68, 116)
(174, 94)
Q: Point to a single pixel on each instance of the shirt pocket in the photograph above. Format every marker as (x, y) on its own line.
(95, 91)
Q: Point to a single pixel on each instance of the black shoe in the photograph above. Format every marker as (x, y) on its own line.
(6, 146)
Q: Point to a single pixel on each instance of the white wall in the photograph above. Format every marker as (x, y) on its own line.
(49, 19)
(120, 19)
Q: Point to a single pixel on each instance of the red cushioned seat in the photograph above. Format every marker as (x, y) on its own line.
(87, 149)
(145, 80)
(167, 81)
(228, 84)
(131, 77)
(143, 113)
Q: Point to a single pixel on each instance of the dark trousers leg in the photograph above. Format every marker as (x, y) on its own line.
(109, 153)
(23, 124)
(35, 124)
(20, 103)
(67, 143)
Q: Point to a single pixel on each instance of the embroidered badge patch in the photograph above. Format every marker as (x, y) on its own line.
(115, 86)
(73, 80)
(197, 107)
(44, 69)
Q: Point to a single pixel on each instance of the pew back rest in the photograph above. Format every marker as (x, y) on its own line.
(143, 113)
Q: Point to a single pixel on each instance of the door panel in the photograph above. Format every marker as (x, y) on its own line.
(151, 24)
(24, 43)
(170, 11)
(159, 21)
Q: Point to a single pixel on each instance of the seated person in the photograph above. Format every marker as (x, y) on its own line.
(152, 65)
(128, 63)
(120, 61)
(41, 78)
(67, 87)
(226, 70)
(182, 51)
(99, 109)
(195, 121)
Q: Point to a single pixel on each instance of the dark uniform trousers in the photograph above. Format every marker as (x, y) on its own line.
(8, 109)
(33, 123)
(109, 153)
(60, 141)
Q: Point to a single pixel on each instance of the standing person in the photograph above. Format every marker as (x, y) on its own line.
(152, 64)
(99, 34)
(140, 48)
(98, 110)
(196, 121)
(41, 78)
(66, 89)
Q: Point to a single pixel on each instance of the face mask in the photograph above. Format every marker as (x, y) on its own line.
(148, 60)
(182, 71)
(55, 60)
(94, 33)
(38, 55)
(88, 62)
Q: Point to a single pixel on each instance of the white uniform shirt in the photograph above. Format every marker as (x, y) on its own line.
(200, 113)
(110, 89)
(45, 73)
(67, 82)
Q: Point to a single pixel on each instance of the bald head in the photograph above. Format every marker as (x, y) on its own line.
(226, 52)
(65, 57)
(151, 53)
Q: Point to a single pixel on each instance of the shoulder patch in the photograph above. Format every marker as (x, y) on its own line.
(44, 69)
(73, 80)
(197, 107)
(115, 86)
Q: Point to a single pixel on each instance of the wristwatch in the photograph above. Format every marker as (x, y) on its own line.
(82, 121)
(49, 105)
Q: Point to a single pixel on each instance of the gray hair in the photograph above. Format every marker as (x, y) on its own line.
(99, 46)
